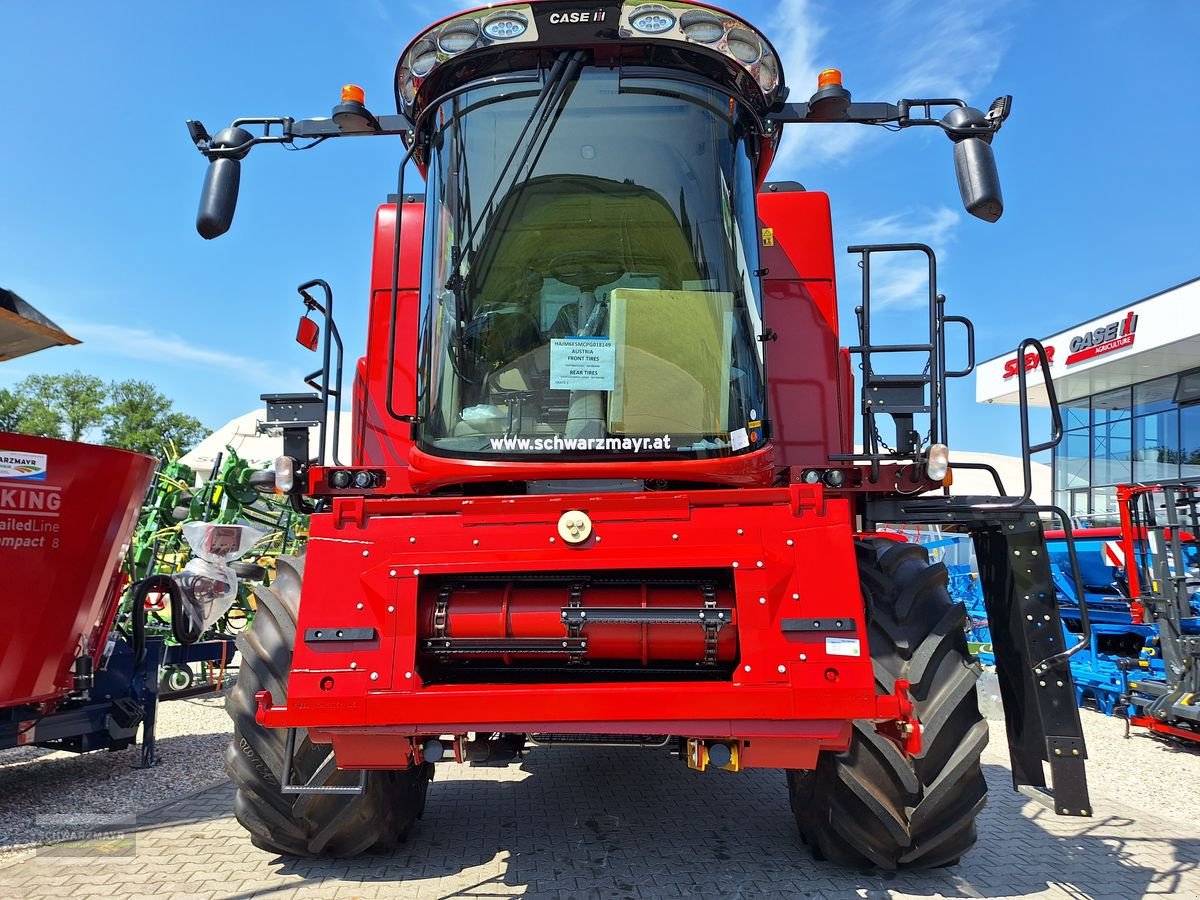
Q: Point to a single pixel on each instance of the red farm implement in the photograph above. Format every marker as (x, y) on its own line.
(604, 483)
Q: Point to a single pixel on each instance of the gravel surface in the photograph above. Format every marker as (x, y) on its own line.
(37, 786)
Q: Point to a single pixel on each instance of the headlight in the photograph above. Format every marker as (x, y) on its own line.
(458, 36)
(424, 58)
(939, 462)
(285, 474)
(702, 26)
(505, 25)
(652, 19)
(768, 73)
(744, 46)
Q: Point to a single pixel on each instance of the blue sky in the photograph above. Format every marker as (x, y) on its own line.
(98, 181)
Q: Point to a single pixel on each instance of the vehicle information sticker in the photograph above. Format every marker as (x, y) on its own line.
(582, 364)
(22, 465)
(836, 646)
(738, 439)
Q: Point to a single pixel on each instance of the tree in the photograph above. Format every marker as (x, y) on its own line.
(57, 405)
(138, 417)
(10, 415)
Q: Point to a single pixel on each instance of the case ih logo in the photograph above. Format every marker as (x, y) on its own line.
(573, 17)
(1113, 336)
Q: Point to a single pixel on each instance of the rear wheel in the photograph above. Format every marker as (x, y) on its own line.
(870, 806)
(304, 824)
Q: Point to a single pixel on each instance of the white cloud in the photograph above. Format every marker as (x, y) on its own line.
(797, 33)
(169, 349)
(955, 48)
(900, 281)
(919, 49)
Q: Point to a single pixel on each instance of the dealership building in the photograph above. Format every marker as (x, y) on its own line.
(1128, 384)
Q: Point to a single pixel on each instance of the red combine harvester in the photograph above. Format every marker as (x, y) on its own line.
(604, 485)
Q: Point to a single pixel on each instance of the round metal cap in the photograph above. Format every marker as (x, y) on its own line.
(574, 526)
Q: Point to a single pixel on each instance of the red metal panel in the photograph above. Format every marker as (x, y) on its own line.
(385, 441)
(62, 537)
(799, 304)
(428, 471)
(366, 570)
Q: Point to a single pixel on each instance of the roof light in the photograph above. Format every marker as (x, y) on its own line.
(744, 45)
(505, 25)
(424, 58)
(702, 26)
(459, 35)
(352, 93)
(768, 73)
(652, 19)
(408, 88)
(829, 78)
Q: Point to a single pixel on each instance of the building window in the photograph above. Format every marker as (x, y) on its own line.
(1071, 461)
(1077, 413)
(1112, 452)
(1154, 396)
(1156, 446)
(1189, 442)
(1112, 406)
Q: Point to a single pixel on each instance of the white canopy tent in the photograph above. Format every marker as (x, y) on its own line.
(258, 449)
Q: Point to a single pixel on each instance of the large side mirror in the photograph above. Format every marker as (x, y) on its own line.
(978, 180)
(975, 166)
(218, 197)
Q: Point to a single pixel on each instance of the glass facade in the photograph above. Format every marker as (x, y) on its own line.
(1131, 434)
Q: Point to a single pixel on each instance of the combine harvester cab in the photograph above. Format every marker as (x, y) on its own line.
(67, 511)
(604, 484)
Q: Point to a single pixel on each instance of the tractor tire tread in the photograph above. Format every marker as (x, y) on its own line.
(871, 806)
(303, 824)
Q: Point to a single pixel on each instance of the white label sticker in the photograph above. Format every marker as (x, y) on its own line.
(582, 364)
(842, 646)
(738, 439)
(22, 465)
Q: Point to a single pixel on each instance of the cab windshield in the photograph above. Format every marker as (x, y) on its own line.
(589, 279)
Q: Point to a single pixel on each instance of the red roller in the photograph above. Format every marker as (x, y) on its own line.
(629, 623)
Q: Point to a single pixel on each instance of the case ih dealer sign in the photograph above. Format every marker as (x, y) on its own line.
(1114, 336)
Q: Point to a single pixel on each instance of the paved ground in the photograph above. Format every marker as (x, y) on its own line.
(606, 823)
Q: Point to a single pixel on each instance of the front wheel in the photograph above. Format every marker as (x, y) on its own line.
(304, 824)
(870, 805)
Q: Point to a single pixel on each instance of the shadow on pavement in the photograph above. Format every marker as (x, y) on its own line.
(602, 822)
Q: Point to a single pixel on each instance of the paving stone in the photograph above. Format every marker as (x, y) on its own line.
(604, 823)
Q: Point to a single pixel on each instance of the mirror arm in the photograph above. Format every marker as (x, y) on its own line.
(897, 115)
(291, 130)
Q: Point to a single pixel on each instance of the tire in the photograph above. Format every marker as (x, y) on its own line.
(176, 678)
(870, 806)
(304, 824)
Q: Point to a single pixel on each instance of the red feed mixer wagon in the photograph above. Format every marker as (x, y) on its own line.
(604, 484)
(67, 512)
